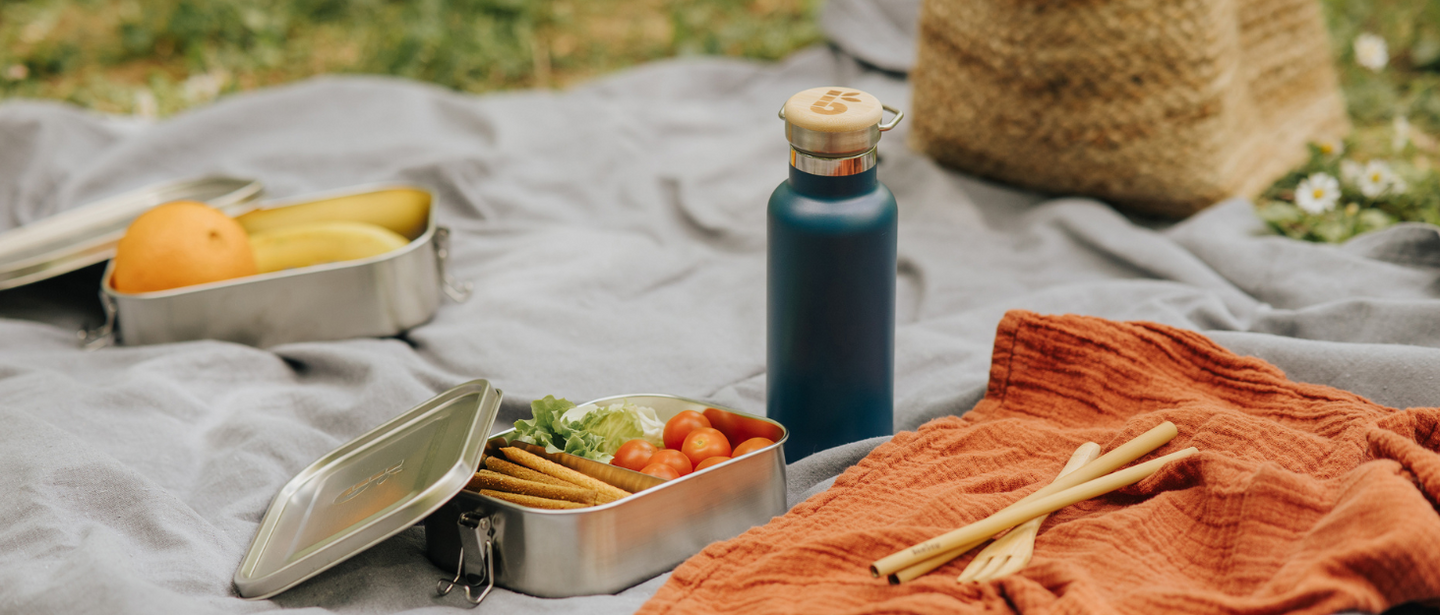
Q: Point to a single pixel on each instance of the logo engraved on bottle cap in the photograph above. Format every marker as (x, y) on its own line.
(360, 487)
(827, 105)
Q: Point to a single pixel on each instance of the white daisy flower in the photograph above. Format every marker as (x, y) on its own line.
(1351, 171)
(1318, 193)
(1330, 146)
(1371, 52)
(1376, 179)
(1401, 124)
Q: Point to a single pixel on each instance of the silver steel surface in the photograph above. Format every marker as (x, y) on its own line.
(846, 143)
(456, 290)
(370, 489)
(894, 121)
(607, 548)
(820, 165)
(838, 144)
(378, 296)
(87, 235)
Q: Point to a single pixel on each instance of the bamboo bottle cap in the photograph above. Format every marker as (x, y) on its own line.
(833, 131)
(833, 109)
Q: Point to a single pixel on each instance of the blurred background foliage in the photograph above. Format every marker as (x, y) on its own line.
(1409, 84)
(158, 57)
(1396, 115)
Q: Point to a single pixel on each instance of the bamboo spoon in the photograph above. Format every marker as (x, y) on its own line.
(919, 559)
(1011, 552)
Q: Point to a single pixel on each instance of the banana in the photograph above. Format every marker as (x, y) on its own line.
(316, 243)
(403, 210)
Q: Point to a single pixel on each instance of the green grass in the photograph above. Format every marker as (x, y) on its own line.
(163, 56)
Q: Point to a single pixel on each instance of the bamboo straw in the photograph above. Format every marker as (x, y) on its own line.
(1137, 447)
(1015, 515)
(1012, 551)
(921, 568)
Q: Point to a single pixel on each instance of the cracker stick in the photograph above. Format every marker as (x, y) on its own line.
(518, 471)
(495, 481)
(606, 491)
(530, 500)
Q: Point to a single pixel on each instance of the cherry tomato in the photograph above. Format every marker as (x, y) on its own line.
(751, 445)
(711, 461)
(725, 422)
(705, 443)
(633, 455)
(681, 425)
(660, 470)
(738, 429)
(674, 459)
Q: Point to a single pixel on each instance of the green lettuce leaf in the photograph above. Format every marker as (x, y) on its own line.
(547, 428)
(587, 431)
(620, 423)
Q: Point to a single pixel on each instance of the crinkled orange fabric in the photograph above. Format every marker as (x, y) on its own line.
(1303, 498)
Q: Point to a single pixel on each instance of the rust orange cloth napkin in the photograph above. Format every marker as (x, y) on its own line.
(1303, 498)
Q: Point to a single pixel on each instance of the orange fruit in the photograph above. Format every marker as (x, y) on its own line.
(179, 244)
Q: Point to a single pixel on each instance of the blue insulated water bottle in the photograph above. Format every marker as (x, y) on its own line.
(831, 279)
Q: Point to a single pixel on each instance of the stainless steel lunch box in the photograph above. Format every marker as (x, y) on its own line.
(604, 549)
(378, 296)
(416, 466)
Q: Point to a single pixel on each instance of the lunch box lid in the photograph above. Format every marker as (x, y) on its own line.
(87, 235)
(370, 489)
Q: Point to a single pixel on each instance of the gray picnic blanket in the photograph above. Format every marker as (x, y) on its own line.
(615, 233)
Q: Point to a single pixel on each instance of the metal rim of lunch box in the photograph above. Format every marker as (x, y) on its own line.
(107, 334)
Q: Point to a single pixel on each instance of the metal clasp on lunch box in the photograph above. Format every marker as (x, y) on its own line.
(95, 339)
(477, 536)
(456, 290)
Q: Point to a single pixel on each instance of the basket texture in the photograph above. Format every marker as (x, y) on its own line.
(1161, 107)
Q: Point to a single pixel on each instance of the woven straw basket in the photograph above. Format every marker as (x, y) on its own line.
(1162, 106)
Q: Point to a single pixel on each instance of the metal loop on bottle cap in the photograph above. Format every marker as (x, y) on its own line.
(884, 127)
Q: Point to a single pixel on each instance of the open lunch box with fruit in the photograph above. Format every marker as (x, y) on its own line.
(358, 262)
(491, 504)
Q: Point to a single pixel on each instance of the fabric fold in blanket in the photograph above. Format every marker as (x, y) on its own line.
(1303, 498)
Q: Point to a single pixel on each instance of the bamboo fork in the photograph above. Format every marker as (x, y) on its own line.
(1011, 552)
(919, 559)
(1010, 517)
